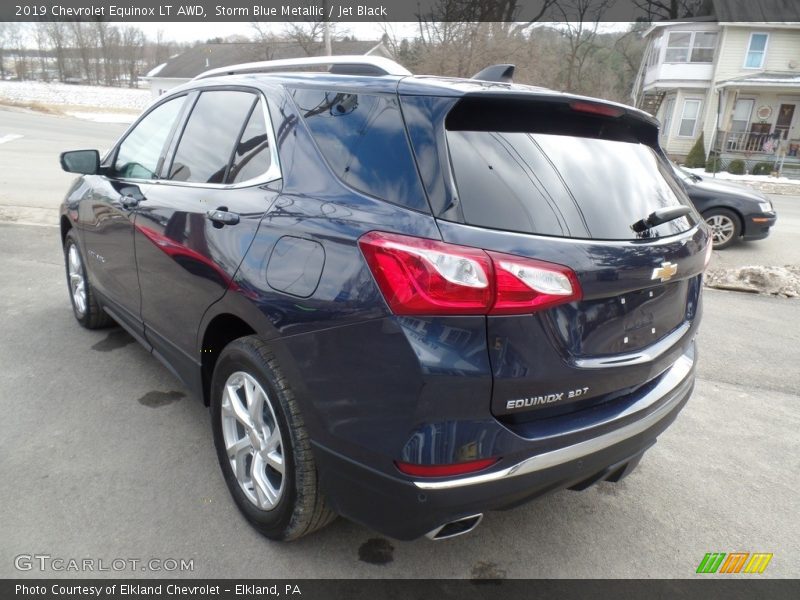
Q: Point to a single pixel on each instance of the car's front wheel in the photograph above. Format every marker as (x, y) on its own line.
(262, 444)
(724, 225)
(85, 307)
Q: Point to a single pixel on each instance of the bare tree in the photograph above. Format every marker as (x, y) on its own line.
(43, 48)
(656, 10)
(57, 39)
(311, 35)
(162, 48)
(580, 20)
(132, 44)
(83, 39)
(4, 35)
(16, 41)
(102, 73)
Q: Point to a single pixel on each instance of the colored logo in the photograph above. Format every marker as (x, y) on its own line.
(735, 562)
(665, 271)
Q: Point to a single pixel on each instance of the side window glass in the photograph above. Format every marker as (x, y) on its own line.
(363, 139)
(140, 152)
(208, 140)
(252, 157)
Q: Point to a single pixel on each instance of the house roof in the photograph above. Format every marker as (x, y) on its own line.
(764, 79)
(210, 56)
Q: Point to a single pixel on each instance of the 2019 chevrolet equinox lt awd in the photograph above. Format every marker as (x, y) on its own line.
(406, 300)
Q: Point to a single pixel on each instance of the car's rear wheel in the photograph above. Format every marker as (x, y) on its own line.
(85, 307)
(262, 444)
(724, 225)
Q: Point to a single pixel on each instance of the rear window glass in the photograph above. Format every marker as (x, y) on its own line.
(363, 139)
(591, 181)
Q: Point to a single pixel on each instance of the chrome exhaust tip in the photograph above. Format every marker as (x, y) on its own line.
(455, 528)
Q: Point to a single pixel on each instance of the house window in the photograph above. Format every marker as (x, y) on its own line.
(655, 52)
(691, 112)
(669, 108)
(741, 115)
(691, 46)
(703, 47)
(756, 51)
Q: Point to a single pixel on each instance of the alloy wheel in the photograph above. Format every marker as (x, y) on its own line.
(77, 283)
(253, 440)
(722, 228)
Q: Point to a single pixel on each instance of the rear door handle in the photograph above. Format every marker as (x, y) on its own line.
(223, 217)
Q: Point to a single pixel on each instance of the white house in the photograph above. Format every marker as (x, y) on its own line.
(737, 83)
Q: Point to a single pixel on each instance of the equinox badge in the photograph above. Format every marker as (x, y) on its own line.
(665, 271)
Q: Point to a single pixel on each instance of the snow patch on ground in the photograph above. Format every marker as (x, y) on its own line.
(775, 281)
(58, 95)
(9, 137)
(742, 178)
(763, 183)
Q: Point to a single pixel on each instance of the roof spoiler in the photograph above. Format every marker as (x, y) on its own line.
(498, 73)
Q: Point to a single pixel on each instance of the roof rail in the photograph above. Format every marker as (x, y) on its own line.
(343, 65)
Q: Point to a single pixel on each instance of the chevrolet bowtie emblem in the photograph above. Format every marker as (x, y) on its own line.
(665, 271)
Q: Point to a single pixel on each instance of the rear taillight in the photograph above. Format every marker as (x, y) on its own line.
(525, 285)
(425, 277)
(420, 276)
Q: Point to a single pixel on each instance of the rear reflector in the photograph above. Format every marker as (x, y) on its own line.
(596, 109)
(426, 277)
(444, 470)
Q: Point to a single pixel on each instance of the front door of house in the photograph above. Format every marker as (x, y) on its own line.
(784, 121)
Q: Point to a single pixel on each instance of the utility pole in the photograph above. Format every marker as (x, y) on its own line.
(326, 29)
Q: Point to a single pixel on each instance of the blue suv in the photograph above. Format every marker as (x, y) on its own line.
(406, 300)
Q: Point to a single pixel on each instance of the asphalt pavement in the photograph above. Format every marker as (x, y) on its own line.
(32, 183)
(103, 455)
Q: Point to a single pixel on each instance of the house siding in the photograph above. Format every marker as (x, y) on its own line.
(674, 144)
(783, 46)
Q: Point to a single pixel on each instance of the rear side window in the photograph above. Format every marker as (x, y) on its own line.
(558, 174)
(140, 153)
(210, 136)
(363, 139)
(252, 156)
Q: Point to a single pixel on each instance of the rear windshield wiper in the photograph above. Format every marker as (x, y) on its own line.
(662, 215)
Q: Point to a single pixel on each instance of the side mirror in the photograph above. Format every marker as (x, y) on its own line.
(83, 162)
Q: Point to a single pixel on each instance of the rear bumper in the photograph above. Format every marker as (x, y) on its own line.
(756, 227)
(407, 508)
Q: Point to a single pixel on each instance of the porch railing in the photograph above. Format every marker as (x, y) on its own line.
(746, 142)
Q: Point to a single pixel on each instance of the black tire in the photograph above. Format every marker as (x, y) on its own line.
(724, 225)
(301, 507)
(92, 316)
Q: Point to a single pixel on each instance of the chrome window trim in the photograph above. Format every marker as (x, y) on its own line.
(273, 173)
